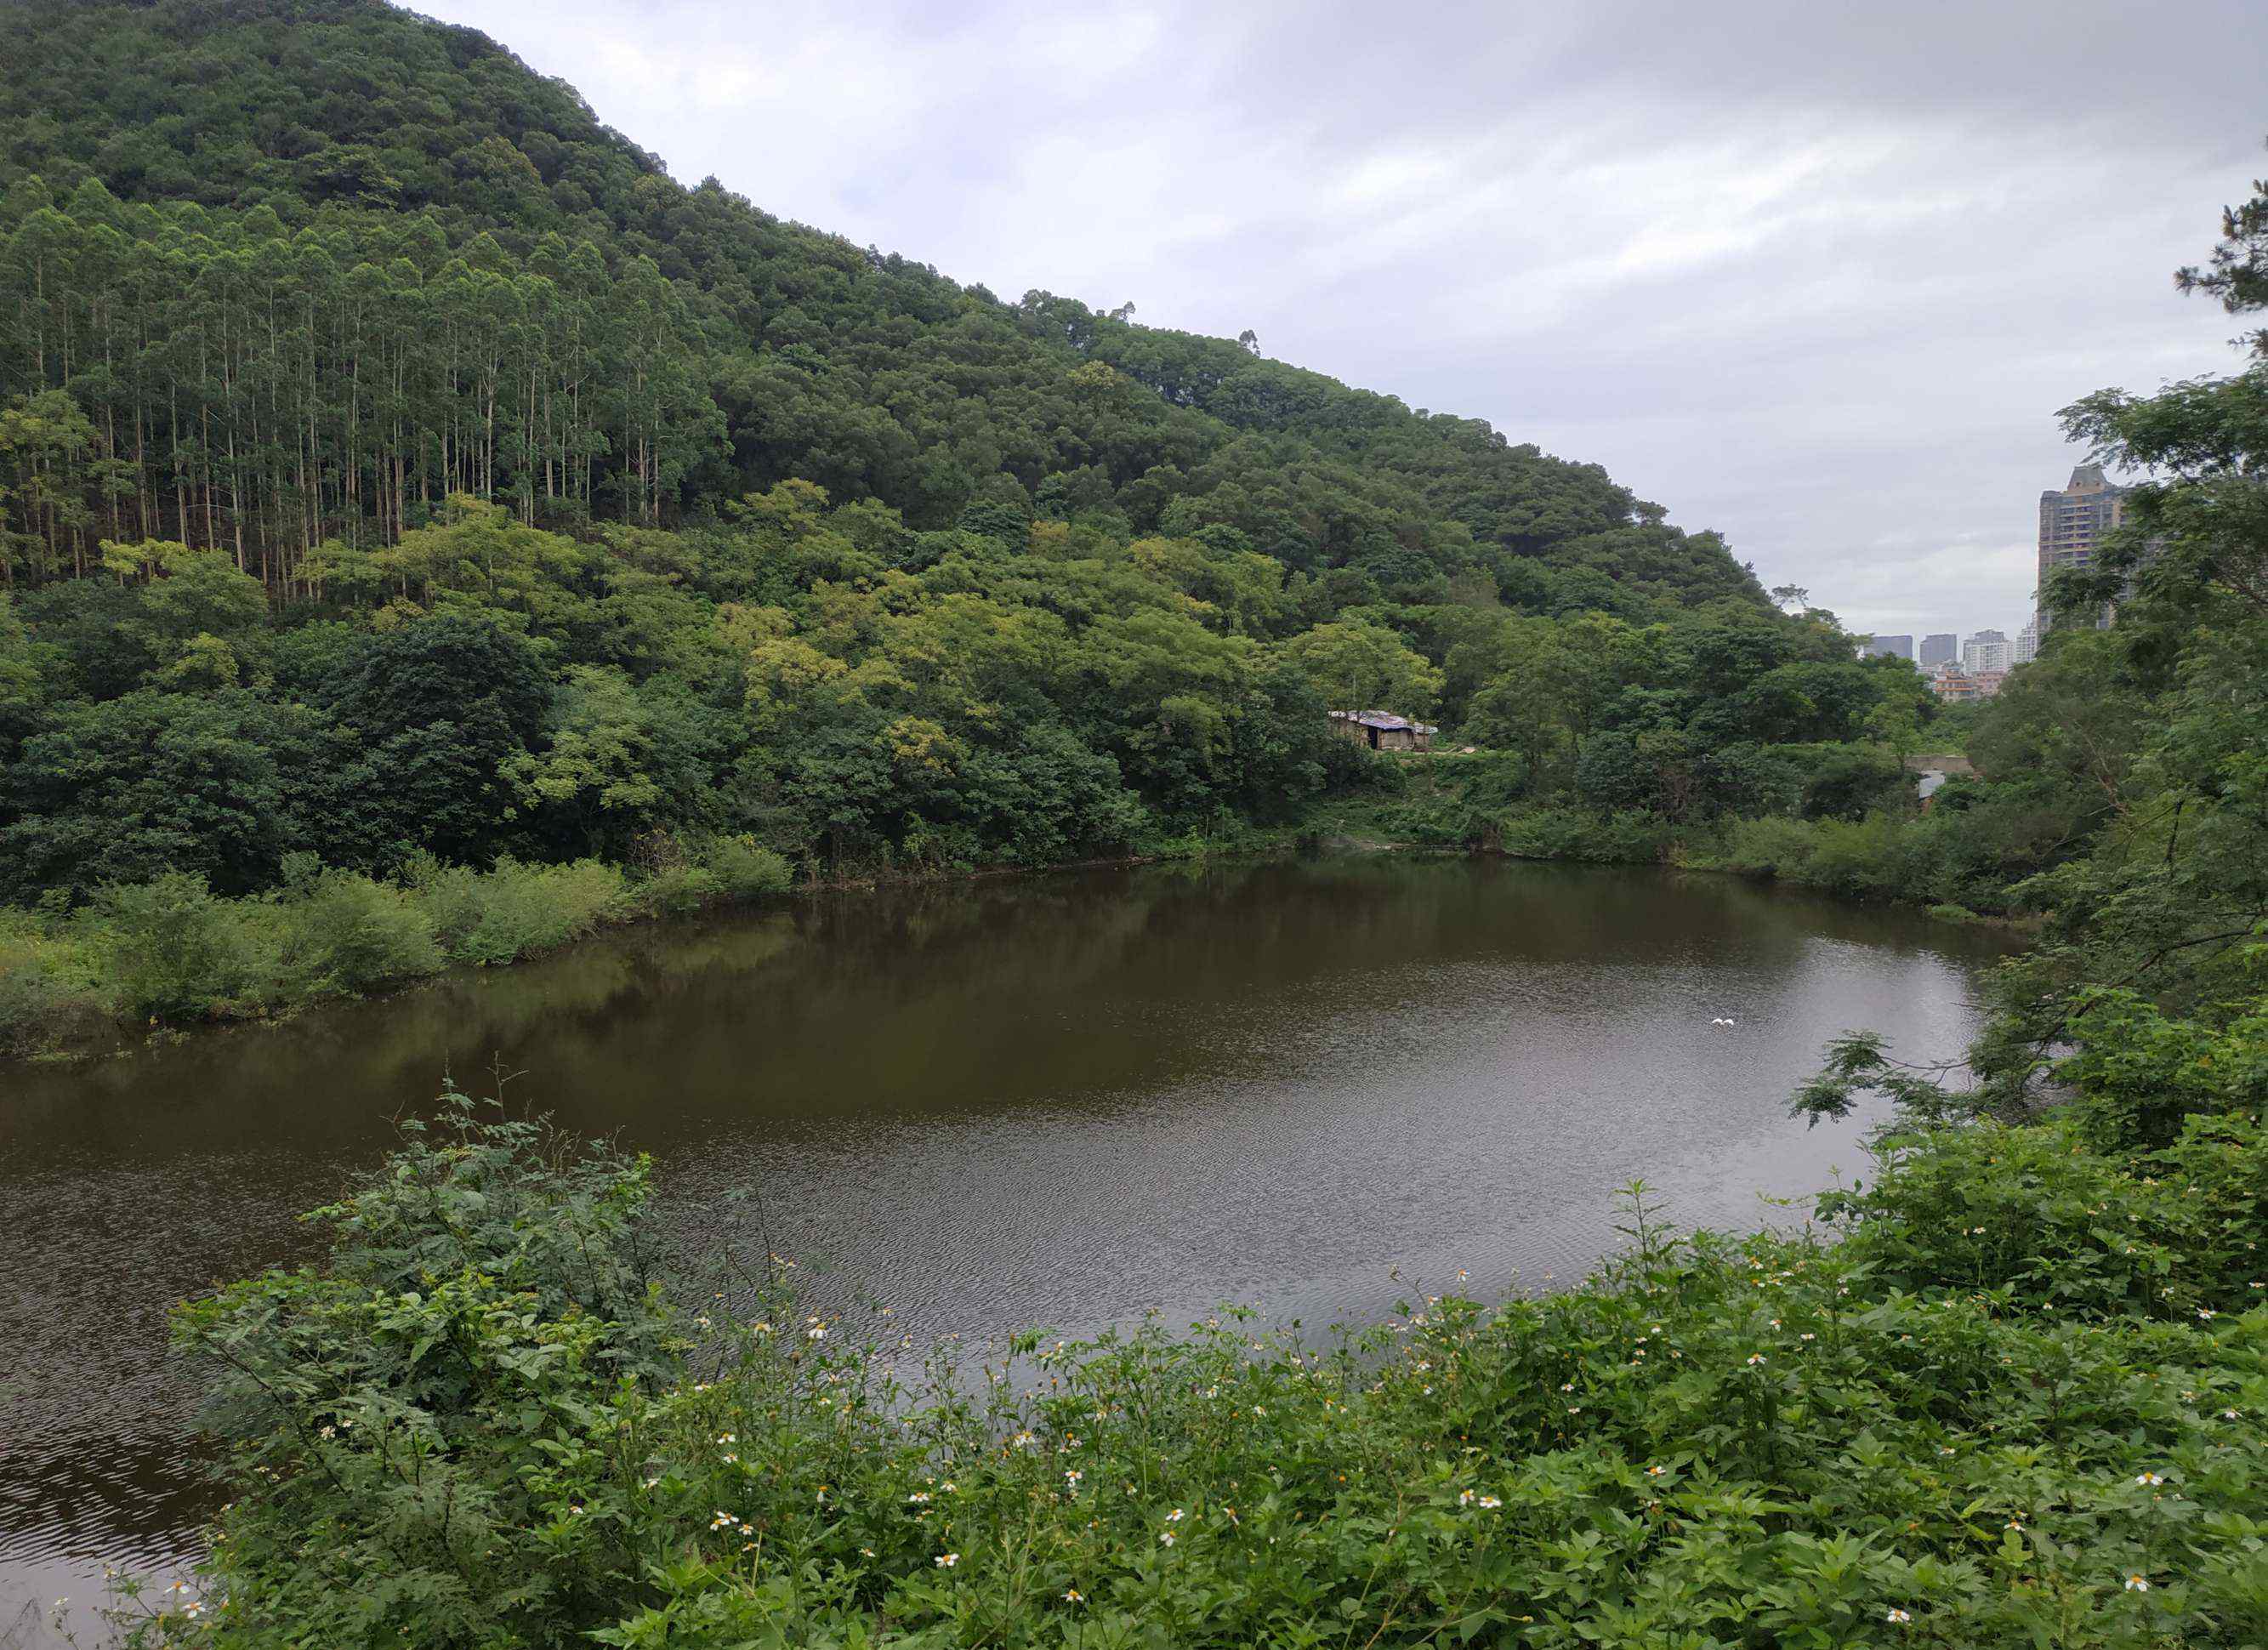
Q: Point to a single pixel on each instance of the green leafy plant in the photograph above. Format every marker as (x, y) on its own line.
(2009, 1392)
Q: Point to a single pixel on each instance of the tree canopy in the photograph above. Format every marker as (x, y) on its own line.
(360, 392)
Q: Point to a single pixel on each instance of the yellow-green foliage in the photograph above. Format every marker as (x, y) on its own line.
(47, 987)
(170, 952)
(494, 916)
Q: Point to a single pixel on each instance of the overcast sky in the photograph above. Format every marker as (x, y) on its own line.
(1817, 275)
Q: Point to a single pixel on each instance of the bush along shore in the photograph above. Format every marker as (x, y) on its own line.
(171, 951)
(2011, 1392)
(1955, 857)
(170, 954)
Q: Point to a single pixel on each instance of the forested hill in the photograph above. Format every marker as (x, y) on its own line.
(308, 267)
(403, 480)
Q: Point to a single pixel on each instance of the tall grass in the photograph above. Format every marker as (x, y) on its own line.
(171, 951)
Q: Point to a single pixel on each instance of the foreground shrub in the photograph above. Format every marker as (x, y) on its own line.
(1453, 798)
(2017, 1403)
(490, 1300)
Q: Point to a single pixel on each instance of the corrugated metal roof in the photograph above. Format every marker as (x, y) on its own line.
(1383, 719)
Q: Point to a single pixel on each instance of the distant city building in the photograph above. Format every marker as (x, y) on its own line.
(1986, 651)
(1891, 646)
(2073, 523)
(2027, 644)
(1956, 685)
(1942, 649)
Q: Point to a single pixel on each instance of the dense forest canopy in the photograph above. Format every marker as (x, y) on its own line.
(375, 423)
(229, 223)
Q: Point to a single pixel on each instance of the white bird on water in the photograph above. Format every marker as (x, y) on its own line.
(1724, 1022)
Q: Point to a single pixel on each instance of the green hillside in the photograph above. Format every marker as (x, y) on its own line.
(400, 474)
(415, 176)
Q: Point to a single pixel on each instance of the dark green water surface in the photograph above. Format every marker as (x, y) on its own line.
(1059, 1101)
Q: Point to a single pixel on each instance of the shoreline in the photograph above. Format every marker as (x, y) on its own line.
(1260, 847)
(638, 915)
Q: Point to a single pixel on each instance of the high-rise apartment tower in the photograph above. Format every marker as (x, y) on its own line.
(2072, 522)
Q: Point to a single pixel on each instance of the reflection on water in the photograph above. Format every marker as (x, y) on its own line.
(1059, 1101)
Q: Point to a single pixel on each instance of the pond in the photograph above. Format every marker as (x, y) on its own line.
(1059, 1101)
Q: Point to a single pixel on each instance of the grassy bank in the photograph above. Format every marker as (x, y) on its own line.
(2019, 1401)
(171, 951)
(171, 954)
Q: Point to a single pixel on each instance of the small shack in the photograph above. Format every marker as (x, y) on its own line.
(1382, 730)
